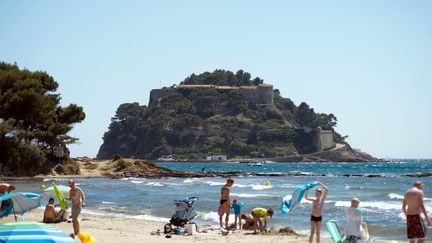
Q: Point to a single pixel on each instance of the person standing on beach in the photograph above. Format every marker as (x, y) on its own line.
(317, 209)
(412, 207)
(76, 195)
(225, 204)
(237, 206)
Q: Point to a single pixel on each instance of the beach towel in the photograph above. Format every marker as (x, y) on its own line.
(334, 231)
(290, 202)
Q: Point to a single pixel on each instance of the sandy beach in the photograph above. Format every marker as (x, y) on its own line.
(126, 230)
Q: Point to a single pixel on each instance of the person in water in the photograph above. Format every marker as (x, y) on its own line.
(412, 207)
(76, 195)
(258, 214)
(51, 215)
(225, 204)
(237, 206)
(354, 216)
(317, 209)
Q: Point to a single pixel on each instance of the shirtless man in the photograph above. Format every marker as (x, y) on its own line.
(50, 214)
(6, 188)
(317, 208)
(225, 203)
(76, 195)
(412, 207)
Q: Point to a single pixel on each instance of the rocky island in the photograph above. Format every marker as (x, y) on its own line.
(229, 114)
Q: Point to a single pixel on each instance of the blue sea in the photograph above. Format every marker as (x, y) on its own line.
(153, 198)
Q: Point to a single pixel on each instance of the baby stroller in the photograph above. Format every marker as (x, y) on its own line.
(184, 213)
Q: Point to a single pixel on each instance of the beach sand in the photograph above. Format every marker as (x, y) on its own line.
(127, 230)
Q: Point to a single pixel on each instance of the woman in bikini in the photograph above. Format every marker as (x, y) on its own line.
(317, 208)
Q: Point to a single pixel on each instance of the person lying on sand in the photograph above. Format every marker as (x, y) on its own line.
(258, 214)
(51, 215)
(213, 230)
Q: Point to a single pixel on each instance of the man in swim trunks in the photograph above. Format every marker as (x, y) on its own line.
(317, 209)
(76, 195)
(412, 207)
(258, 214)
(225, 204)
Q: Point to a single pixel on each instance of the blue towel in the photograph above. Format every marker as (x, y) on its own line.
(288, 205)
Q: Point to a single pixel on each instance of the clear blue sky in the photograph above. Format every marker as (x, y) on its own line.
(368, 62)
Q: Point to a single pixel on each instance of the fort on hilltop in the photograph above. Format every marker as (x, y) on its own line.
(261, 95)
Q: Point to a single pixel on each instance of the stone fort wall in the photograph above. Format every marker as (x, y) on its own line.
(323, 140)
(262, 95)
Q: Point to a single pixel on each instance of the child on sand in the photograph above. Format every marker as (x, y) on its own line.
(237, 206)
(317, 209)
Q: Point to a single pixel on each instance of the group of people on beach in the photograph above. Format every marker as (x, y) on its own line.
(53, 213)
(356, 228)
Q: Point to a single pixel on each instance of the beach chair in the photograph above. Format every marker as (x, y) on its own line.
(334, 231)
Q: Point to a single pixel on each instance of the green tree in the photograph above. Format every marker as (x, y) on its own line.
(32, 122)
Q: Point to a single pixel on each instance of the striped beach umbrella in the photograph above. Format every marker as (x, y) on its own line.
(32, 232)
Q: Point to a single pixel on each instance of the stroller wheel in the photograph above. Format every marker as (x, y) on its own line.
(168, 228)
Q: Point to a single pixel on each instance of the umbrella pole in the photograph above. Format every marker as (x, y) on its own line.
(13, 209)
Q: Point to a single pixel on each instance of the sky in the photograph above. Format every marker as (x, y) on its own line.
(367, 62)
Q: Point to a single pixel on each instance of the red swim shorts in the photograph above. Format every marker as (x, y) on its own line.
(415, 227)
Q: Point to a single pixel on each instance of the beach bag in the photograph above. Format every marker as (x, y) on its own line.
(365, 233)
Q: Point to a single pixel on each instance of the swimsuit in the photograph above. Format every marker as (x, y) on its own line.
(415, 227)
(222, 201)
(76, 210)
(316, 219)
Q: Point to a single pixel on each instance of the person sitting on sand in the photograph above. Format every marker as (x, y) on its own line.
(224, 206)
(317, 209)
(237, 206)
(412, 207)
(249, 222)
(258, 214)
(51, 214)
(354, 216)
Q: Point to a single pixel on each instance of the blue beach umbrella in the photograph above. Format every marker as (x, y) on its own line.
(21, 202)
(32, 232)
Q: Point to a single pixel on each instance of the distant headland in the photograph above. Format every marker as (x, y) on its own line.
(228, 114)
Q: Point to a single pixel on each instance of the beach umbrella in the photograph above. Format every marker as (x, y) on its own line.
(60, 192)
(22, 201)
(32, 232)
(50, 191)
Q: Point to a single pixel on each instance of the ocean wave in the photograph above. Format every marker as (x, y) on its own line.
(260, 187)
(395, 196)
(212, 216)
(400, 197)
(137, 182)
(215, 183)
(155, 184)
(191, 180)
(107, 202)
(240, 195)
(123, 215)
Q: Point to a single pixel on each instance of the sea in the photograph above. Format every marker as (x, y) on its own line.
(379, 186)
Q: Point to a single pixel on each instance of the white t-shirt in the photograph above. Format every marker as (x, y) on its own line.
(354, 221)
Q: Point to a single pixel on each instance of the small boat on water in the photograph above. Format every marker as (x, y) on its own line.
(256, 163)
